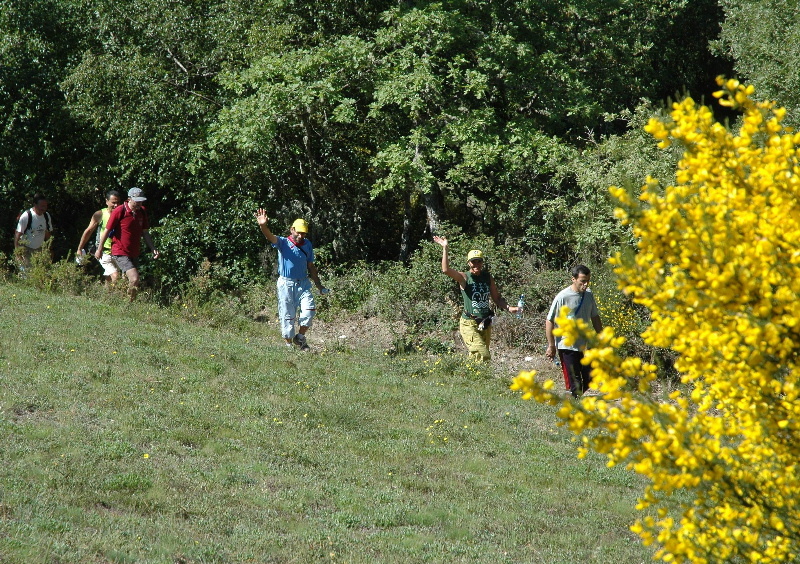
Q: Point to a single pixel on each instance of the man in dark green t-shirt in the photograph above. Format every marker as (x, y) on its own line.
(477, 287)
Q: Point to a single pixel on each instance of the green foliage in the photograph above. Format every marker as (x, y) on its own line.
(762, 40)
(376, 121)
(6, 267)
(62, 277)
(191, 236)
(585, 215)
(41, 143)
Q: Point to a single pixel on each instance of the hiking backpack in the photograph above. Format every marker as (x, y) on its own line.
(48, 221)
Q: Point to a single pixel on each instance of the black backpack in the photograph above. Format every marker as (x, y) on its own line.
(47, 220)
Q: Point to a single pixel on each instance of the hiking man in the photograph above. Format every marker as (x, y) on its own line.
(580, 300)
(295, 268)
(97, 225)
(34, 227)
(477, 286)
(128, 225)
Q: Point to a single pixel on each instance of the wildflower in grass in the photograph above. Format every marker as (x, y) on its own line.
(715, 264)
(437, 432)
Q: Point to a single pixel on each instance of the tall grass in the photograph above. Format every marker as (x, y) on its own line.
(130, 435)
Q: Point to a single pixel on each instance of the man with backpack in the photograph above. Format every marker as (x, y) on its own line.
(34, 227)
(97, 225)
(127, 226)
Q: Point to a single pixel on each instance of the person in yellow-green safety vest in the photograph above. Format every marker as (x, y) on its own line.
(97, 224)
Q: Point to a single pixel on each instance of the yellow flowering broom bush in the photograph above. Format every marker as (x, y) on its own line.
(717, 265)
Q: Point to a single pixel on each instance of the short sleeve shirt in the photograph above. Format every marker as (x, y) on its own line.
(127, 228)
(582, 306)
(34, 238)
(293, 260)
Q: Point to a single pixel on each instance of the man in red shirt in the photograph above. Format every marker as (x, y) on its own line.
(127, 226)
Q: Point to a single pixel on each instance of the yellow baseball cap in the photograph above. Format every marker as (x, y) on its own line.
(300, 225)
(474, 254)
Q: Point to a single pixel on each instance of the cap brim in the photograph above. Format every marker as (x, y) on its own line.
(139, 199)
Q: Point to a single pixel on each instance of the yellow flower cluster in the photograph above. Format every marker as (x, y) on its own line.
(616, 312)
(716, 259)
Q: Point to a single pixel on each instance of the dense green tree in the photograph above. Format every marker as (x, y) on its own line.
(464, 107)
(375, 120)
(487, 101)
(41, 145)
(762, 39)
(148, 86)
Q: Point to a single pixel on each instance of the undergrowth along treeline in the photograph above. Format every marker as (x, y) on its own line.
(417, 303)
(130, 435)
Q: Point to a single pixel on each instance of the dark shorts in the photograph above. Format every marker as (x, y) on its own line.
(126, 263)
(577, 376)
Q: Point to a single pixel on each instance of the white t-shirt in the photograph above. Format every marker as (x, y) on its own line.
(34, 238)
(586, 309)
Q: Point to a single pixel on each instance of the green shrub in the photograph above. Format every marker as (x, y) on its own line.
(6, 266)
(207, 298)
(69, 278)
(64, 276)
(258, 300)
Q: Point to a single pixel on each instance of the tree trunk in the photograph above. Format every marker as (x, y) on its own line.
(405, 238)
(434, 208)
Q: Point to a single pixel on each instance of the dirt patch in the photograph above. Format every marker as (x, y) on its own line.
(372, 333)
(358, 332)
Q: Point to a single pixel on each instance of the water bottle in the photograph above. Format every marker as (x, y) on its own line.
(521, 305)
(556, 359)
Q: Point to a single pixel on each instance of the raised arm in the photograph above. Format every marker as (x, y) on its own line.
(451, 272)
(261, 217)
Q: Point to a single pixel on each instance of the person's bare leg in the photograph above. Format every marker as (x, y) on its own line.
(133, 283)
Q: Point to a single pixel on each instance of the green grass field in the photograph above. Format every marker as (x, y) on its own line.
(130, 435)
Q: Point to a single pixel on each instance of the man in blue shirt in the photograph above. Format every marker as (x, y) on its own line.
(295, 268)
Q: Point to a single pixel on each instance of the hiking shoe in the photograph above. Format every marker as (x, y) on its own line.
(300, 341)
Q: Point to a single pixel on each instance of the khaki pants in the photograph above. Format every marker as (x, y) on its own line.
(477, 341)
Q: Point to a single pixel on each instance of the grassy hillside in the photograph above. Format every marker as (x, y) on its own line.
(128, 435)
